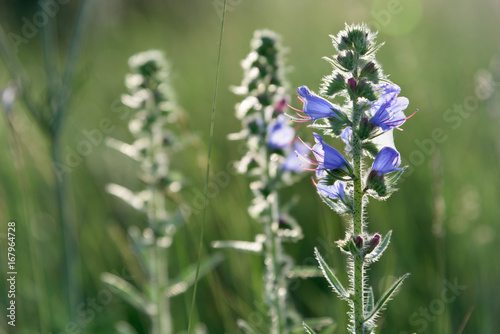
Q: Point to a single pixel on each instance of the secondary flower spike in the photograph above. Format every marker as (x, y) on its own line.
(315, 107)
(387, 111)
(280, 134)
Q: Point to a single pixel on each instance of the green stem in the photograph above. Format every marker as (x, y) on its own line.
(357, 223)
(69, 234)
(275, 287)
(161, 321)
(157, 215)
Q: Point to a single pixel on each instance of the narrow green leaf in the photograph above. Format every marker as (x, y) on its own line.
(124, 148)
(377, 252)
(334, 206)
(308, 329)
(330, 276)
(246, 328)
(386, 297)
(242, 246)
(188, 275)
(317, 323)
(124, 327)
(371, 300)
(128, 292)
(126, 195)
(304, 272)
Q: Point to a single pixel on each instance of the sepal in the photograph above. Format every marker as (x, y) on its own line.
(378, 247)
(332, 84)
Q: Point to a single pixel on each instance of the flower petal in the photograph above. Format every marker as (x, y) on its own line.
(334, 191)
(280, 134)
(316, 107)
(386, 161)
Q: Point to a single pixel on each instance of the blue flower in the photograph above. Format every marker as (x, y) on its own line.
(334, 191)
(315, 107)
(280, 135)
(293, 161)
(346, 135)
(329, 157)
(328, 160)
(387, 111)
(386, 161)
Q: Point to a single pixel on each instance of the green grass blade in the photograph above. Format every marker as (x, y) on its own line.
(207, 176)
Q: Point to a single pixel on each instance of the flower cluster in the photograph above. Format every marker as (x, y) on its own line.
(271, 163)
(270, 139)
(369, 109)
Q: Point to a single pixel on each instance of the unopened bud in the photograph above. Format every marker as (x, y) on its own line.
(358, 240)
(374, 242)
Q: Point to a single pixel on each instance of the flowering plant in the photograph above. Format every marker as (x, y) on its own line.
(365, 122)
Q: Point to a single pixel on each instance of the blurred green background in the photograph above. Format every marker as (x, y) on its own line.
(444, 54)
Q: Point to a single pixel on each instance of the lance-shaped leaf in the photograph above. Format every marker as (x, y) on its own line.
(246, 328)
(127, 149)
(340, 209)
(308, 329)
(316, 323)
(126, 195)
(370, 302)
(386, 297)
(377, 252)
(330, 276)
(128, 292)
(188, 275)
(304, 272)
(242, 246)
(123, 327)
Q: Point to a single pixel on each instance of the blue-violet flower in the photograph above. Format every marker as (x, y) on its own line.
(315, 107)
(387, 111)
(280, 134)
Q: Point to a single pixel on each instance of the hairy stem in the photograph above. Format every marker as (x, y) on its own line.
(357, 223)
(275, 287)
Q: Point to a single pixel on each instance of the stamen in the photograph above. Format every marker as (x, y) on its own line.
(289, 106)
(314, 182)
(411, 115)
(307, 159)
(304, 143)
(302, 116)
